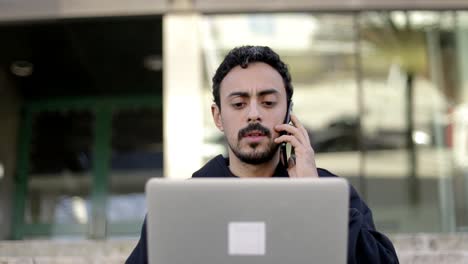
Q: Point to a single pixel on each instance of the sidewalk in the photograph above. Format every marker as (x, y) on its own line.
(411, 249)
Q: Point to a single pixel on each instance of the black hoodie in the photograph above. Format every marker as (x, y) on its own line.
(365, 244)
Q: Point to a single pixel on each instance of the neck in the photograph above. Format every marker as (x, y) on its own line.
(245, 170)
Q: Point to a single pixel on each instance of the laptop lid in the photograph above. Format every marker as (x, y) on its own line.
(251, 221)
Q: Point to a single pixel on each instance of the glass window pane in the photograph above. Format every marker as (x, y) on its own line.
(458, 121)
(319, 50)
(59, 182)
(407, 92)
(137, 155)
(407, 64)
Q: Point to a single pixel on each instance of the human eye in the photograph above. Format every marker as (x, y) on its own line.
(269, 100)
(268, 103)
(238, 105)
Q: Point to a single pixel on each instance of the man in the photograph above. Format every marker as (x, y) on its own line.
(252, 91)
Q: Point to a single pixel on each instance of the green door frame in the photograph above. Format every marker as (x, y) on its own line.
(103, 108)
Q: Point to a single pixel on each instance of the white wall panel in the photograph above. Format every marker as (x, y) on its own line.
(11, 10)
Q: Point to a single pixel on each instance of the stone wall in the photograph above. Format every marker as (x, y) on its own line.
(432, 248)
(65, 252)
(411, 249)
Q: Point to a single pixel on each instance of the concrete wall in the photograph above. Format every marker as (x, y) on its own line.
(9, 123)
(411, 249)
(11, 10)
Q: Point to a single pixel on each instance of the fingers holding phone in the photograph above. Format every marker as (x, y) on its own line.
(297, 136)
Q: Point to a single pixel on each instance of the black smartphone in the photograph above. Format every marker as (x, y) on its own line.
(283, 150)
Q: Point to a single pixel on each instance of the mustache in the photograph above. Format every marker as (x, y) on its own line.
(254, 127)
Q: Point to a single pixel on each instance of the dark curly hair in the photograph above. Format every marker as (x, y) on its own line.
(244, 55)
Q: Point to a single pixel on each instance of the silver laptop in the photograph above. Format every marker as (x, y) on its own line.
(247, 221)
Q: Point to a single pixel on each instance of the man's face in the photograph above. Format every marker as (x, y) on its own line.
(253, 100)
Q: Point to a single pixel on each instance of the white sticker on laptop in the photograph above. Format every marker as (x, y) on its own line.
(246, 238)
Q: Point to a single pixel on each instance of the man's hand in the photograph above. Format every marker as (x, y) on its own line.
(304, 163)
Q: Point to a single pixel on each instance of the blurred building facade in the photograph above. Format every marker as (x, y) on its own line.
(96, 98)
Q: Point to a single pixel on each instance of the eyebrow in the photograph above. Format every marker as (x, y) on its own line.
(261, 93)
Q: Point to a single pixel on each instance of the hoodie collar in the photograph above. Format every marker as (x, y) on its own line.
(219, 167)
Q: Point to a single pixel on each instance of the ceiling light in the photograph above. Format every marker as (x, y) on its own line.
(22, 68)
(2, 171)
(153, 63)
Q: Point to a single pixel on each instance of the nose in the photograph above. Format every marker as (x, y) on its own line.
(254, 113)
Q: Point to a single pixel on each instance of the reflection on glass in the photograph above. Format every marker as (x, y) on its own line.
(60, 158)
(458, 119)
(136, 157)
(405, 101)
(401, 66)
(319, 50)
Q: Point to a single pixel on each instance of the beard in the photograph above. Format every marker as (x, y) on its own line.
(256, 155)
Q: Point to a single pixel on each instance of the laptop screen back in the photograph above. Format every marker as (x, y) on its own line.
(251, 221)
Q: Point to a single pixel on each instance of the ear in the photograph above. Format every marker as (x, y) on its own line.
(216, 113)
